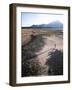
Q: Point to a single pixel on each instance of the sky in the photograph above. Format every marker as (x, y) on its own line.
(29, 19)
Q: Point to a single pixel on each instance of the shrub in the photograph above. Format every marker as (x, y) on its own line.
(31, 68)
(29, 50)
(55, 63)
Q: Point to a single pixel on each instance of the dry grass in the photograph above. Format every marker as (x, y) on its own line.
(36, 41)
(26, 34)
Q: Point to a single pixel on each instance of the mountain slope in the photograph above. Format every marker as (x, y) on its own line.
(54, 24)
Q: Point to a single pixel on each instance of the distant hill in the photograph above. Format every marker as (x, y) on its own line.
(55, 25)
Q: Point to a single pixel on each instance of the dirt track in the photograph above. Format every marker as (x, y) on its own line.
(51, 43)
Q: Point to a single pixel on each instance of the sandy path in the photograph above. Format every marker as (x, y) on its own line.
(51, 43)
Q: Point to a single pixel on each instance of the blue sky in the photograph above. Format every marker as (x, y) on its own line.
(28, 19)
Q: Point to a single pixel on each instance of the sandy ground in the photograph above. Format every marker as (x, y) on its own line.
(51, 43)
